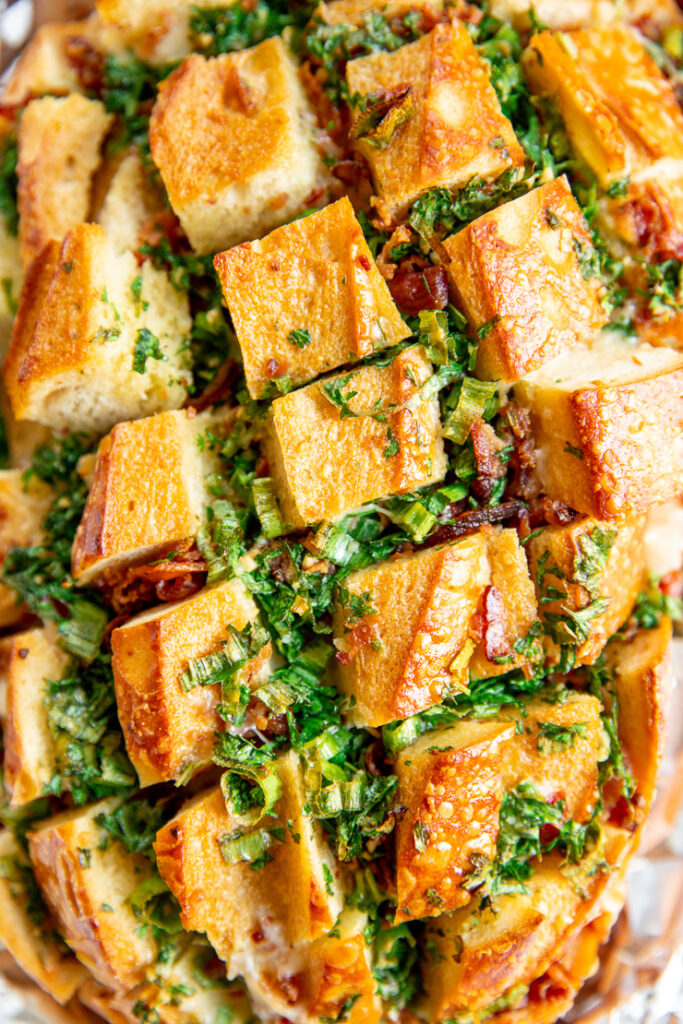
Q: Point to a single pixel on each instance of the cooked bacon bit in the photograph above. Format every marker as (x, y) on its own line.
(87, 62)
(162, 225)
(470, 521)
(273, 368)
(364, 262)
(133, 587)
(487, 449)
(547, 833)
(220, 388)
(495, 620)
(413, 290)
(375, 759)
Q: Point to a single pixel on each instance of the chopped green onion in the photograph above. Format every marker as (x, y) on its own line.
(347, 795)
(240, 847)
(82, 633)
(433, 330)
(399, 735)
(336, 545)
(327, 744)
(224, 665)
(220, 541)
(417, 521)
(474, 395)
(266, 507)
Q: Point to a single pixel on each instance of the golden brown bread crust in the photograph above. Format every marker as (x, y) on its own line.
(59, 152)
(231, 140)
(619, 582)
(619, 109)
(315, 274)
(44, 65)
(36, 949)
(323, 465)
(456, 115)
(30, 758)
(452, 783)
(263, 913)
(422, 639)
(610, 446)
(86, 884)
(166, 729)
(518, 267)
(147, 491)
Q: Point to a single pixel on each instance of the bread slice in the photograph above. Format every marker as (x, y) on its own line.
(167, 729)
(619, 109)
(607, 425)
(59, 151)
(387, 442)
(452, 783)
(33, 942)
(87, 877)
(557, 554)
(148, 492)
(454, 128)
(97, 338)
(232, 138)
(307, 298)
(420, 640)
(30, 754)
(266, 913)
(44, 66)
(517, 274)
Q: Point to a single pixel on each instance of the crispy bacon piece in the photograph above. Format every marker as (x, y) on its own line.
(424, 288)
(87, 62)
(470, 521)
(131, 588)
(219, 390)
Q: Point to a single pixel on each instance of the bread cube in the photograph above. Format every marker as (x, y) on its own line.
(518, 268)
(563, 555)
(416, 645)
(570, 14)
(59, 151)
(166, 728)
(87, 878)
(643, 681)
(337, 443)
(319, 982)
(148, 491)
(452, 128)
(251, 916)
(177, 995)
(607, 425)
(10, 276)
(158, 31)
(452, 783)
(232, 138)
(619, 109)
(34, 946)
(30, 756)
(23, 506)
(476, 955)
(44, 65)
(97, 338)
(307, 298)
(664, 538)
(129, 204)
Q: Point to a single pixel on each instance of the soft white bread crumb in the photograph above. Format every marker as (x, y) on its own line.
(34, 946)
(87, 877)
(148, 492)
(232, 138)
(59, 151)
(72, 360)
(607, 426)
(30, 758)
